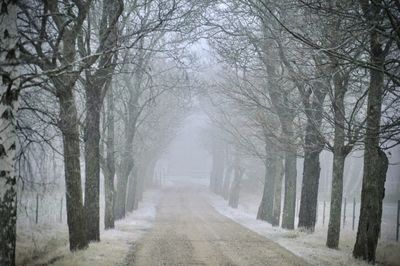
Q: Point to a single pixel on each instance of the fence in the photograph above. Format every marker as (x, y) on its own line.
(41, 209)
(390, 226)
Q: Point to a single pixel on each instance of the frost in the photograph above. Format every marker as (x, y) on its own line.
(52, 243)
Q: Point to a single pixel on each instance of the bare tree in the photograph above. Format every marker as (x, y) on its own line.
(9, 91)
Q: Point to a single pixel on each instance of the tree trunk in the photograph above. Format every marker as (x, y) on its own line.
(92, 162)
(310, 183)
(140, 188)
(126, 165)
(9, 91)
(265, 210)
(372, 194)
(277, 193)
(138, 191)
(217, 173)
(96, 87)
(130, 131)
(290, 180)
(234, 194)
(227, 182)
(131, 198)
(69, 125)
(375, 160)
(340, 152)
(236, 184)
(110, 164)
(280, 103)
(336, 198)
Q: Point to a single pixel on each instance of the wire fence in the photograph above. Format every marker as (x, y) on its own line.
(390, 224)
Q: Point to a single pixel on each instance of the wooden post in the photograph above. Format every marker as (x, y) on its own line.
(354, 213)
(344, 212)
(37, 208)
(323, 214)
(398, 222)
(61, 209)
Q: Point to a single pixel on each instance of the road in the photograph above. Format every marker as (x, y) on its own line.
(188, 231)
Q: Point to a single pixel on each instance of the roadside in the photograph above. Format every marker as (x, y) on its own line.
(47, 244)
(311, 247)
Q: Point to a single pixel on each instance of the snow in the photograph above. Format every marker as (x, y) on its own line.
(48, 244)
(311, 247)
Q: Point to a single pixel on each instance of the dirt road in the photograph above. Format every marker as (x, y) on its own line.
(188, 231)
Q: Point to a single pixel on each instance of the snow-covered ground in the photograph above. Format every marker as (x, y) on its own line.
(48, 243)
(311, 247)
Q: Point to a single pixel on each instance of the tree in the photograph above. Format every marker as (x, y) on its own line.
(217, 170)
(375, 160)
(9, 91)
(236, 183)
(109, 163)
(95, 89)
(58, 63)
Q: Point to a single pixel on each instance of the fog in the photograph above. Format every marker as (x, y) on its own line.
(177, 132)
(187, 156)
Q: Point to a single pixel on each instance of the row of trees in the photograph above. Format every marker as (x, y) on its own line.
(102, 78)
(106, 77)
(298, 77)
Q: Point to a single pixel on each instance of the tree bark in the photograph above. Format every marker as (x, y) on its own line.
(234, 194)
(375, 160)
(130, 132)
(96, 87)
(132, 187)
(9, 91)
(110, 164)
(236, 184)
(265, 210)
(340, 152)
(336, 198)
(92, 162)
(281, 104)
(277, 193)
(69, 125)
(140, 185)
(122, 183)
(311, 174)
(313, 146)
(227, 182)
(290, 179)
(217, 172)
(372, 194)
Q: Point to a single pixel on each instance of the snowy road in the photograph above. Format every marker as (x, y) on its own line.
(188, 231)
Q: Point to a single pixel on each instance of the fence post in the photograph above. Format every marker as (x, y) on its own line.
(344, 212)
(323, 214)
(61, 208)
(37, 208)
(354, 213)
(397, 222)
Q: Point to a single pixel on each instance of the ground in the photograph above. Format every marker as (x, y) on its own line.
(47, 243)
(188, 231)
(185, 224)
